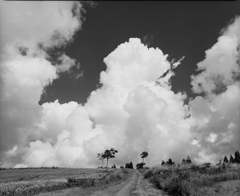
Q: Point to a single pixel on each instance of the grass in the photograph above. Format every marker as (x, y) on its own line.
(113, 176)
(36, 180)
(192, 181)
(26, 174)
(30, 188)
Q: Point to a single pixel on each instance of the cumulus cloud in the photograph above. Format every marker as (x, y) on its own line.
(217, 113)
(28, 24)
(220, 67)
(134, 110)
(130, 112)
(26, 29)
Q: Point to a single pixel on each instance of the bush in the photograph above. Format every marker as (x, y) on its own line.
(140, 165)
(149, 173)
(129, 165)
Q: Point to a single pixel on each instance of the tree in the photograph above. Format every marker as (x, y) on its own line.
(163, 163)
(170, 162)
(144, 155)
(183, 161)
(225, 160)
(237, 157)
(231, 160)
(109, 154)
(100, 157)
(129, 165)
(188, 160)
(140, 165)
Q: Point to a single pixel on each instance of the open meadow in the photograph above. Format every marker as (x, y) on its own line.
(81, 182)
(34, 180)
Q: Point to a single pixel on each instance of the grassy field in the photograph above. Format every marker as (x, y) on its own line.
(176, 181)
(26, 174)
(197, 181)
(30, 181)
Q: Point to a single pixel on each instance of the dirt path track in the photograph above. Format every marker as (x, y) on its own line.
(135, 185)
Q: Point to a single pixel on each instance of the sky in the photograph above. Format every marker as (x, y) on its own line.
(178, 28)
(77, 78)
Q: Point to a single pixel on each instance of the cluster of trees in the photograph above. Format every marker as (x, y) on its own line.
(129, 165)
(187, 160)
(143, 155)
(170, 162)
(232, 159)
(107, 154)
(111, 153)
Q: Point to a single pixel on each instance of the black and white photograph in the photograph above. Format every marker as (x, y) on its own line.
(120, 98)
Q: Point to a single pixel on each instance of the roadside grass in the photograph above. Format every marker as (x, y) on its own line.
(112, 176)
(192, 181)
(32, 187)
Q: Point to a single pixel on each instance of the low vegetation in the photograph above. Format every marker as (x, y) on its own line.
(192, 180)
(177, 179)
(44, 180)
(112, 176)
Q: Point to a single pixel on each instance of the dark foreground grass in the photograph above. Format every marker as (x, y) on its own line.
(192, 181)
(18, 188)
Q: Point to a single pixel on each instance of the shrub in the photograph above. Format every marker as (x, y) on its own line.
(149, 173)
(129, 165)
(140, 165)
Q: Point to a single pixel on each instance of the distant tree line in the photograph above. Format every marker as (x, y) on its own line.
(232, 159)
(170, 162)
(111, 153)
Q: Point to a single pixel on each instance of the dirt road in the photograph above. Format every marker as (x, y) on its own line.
(135, 185)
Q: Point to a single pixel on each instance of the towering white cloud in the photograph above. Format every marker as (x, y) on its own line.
(135, 112)
(217, 113)
(131, 112)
